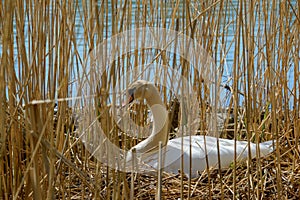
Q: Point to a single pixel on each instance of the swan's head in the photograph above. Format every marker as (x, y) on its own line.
(140, 90)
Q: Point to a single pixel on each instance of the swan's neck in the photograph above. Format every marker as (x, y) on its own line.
(160, 122)
(160, 125)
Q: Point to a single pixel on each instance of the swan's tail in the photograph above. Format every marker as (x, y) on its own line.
(267, 147)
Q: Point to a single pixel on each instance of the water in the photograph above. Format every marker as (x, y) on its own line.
(229, 27)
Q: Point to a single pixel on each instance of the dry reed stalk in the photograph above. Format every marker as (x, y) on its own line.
(236, 72)
(160, 174)
(7, 186)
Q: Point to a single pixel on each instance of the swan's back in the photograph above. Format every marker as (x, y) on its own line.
(194, 151)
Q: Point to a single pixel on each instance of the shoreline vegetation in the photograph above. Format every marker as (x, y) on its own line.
(42, 55)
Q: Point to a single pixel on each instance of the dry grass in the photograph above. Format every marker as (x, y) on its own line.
(42, 55)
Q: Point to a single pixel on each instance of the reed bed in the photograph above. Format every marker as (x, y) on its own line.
(44, 45)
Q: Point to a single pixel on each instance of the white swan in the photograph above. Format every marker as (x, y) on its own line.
(147, 153)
